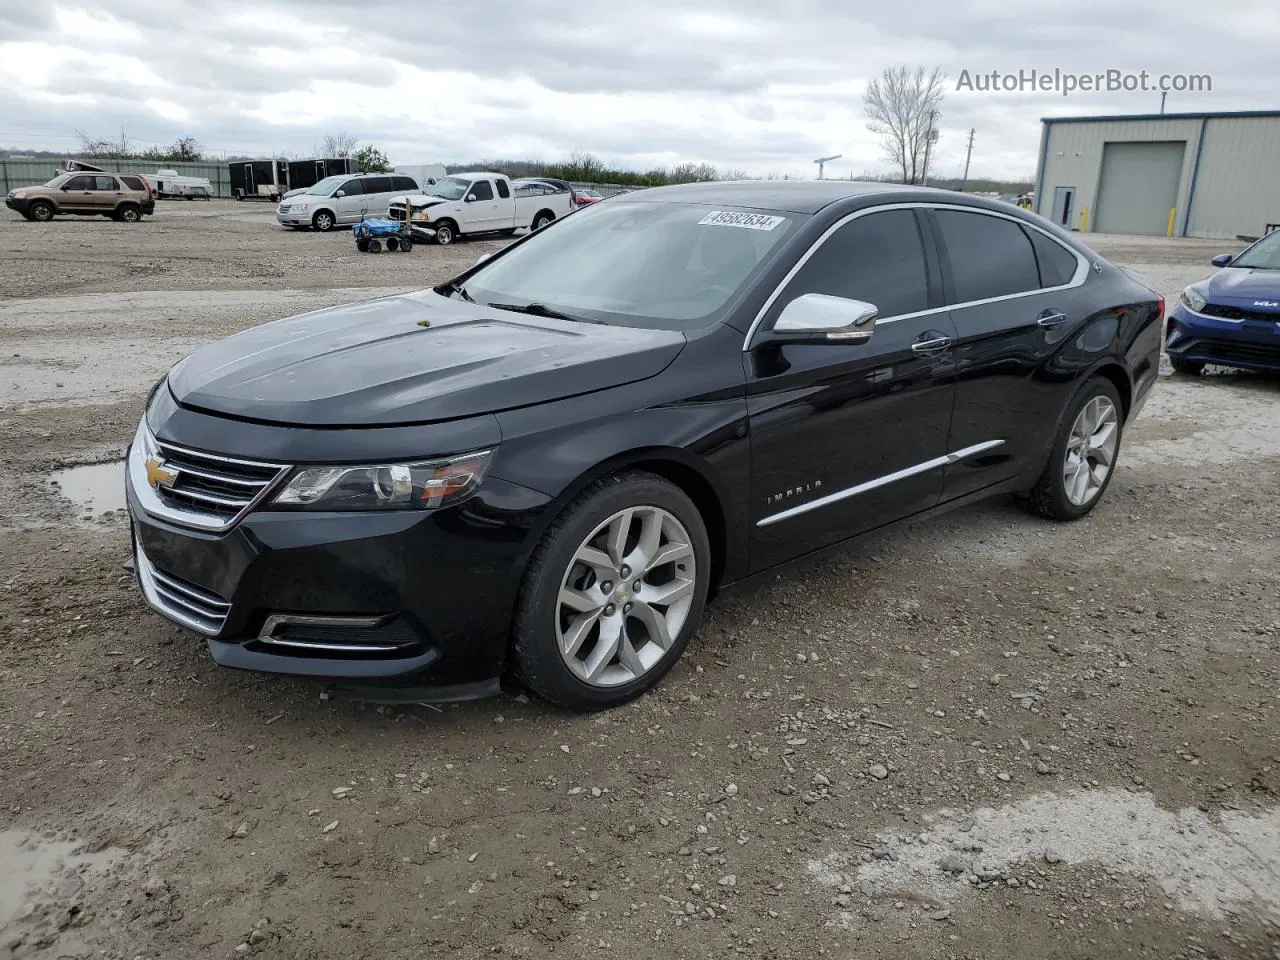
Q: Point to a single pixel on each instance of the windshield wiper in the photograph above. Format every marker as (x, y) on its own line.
(542, 310)
(455, 287)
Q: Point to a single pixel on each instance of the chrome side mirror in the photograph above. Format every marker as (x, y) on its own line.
(819, 317)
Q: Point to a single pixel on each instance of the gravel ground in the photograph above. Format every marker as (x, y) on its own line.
(980, 736)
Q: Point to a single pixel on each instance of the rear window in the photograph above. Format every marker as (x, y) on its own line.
(134, 183)
(404, 183)
(503, 190)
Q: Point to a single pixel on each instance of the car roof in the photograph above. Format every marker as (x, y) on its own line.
(801, 196)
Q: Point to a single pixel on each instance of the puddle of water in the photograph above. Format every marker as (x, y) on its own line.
(35, 868)
(96, 489)
(1205, 866)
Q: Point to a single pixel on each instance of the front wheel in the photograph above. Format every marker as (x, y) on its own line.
(1084, 455)
(41, 211)
(445, 234)
(323, 221)
(613, 593)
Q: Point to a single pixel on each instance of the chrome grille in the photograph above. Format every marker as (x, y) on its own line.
(213, 485)
(179, 600)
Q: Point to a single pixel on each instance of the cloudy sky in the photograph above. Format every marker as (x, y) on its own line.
(761, 85)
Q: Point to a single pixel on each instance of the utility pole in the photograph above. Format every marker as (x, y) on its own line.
(967, 155)
(823, 161)
(929, 139)
(1163, 94)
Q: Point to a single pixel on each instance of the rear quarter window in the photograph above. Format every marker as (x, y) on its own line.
(133, 183)
(1057, 264)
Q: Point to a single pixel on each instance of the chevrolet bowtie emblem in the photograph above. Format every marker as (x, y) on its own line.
(158, 475)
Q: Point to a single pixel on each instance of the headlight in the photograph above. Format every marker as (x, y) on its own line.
(396, 486)
(1192, 299)
(304, 206)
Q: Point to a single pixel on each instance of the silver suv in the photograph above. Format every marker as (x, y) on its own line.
(343, 199)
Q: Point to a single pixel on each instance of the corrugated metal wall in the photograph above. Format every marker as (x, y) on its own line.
(1237, 183)
(30, 173)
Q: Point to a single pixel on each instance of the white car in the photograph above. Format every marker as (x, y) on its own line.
(342, 199)
(466, 204)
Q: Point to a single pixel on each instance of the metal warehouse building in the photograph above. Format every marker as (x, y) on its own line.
(1214, 175)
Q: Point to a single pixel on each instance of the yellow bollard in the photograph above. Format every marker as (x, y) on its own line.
(1084, 220)
(1172, 211)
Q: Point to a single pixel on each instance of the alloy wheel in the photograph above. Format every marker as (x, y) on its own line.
(626, 596)
(1091, 450)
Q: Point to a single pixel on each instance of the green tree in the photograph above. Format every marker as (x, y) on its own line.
(369, 159)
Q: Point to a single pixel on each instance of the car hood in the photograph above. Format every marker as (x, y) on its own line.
(1240, 286)
(416, 358)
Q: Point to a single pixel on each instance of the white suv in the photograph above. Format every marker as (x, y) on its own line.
(343, 199)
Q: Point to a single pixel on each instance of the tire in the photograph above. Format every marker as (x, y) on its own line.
(603, 677)
(446, 233)
(129, 213)
(1060, 494)
(541, 220)
(393, 244)
(362, 244)
(405, 244)
(323, 221)
(41, 211)
(375, 246)
(1191, 368)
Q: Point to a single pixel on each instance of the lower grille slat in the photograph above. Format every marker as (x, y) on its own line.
(190, 605)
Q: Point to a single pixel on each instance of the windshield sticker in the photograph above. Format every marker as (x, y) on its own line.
(751, 221)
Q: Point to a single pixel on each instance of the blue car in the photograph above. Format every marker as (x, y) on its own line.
(1233, 317)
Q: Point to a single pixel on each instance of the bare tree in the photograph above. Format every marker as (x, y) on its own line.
(338, 146)
(902, 107)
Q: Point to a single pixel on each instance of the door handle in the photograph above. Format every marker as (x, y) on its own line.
(931, 343)
(1051, 318)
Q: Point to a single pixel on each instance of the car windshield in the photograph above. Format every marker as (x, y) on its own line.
(327, 186)
(1263, 255)
(646, 264)
(450, 188)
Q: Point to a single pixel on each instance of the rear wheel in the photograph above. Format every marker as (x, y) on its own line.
(375, 246)
(393, 244)
(1084, 455)
(128, 214)
(613, 593)
(323, 221)
(1191, 368)
(362, 245)
(41, 211)
(541, 220)
(405, 244)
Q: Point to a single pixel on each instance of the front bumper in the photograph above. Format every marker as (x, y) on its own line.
(410, 604)
(294, 218)
(1250, 344)
(18, 204)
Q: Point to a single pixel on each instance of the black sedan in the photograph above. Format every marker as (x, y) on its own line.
(544, 468)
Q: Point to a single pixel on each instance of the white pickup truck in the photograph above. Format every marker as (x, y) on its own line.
(464, 204)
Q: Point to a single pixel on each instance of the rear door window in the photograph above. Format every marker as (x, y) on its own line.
(404, 183)
(503, 190)
(105, 183)
(377, 185)
(990, 256)
(482, 190)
